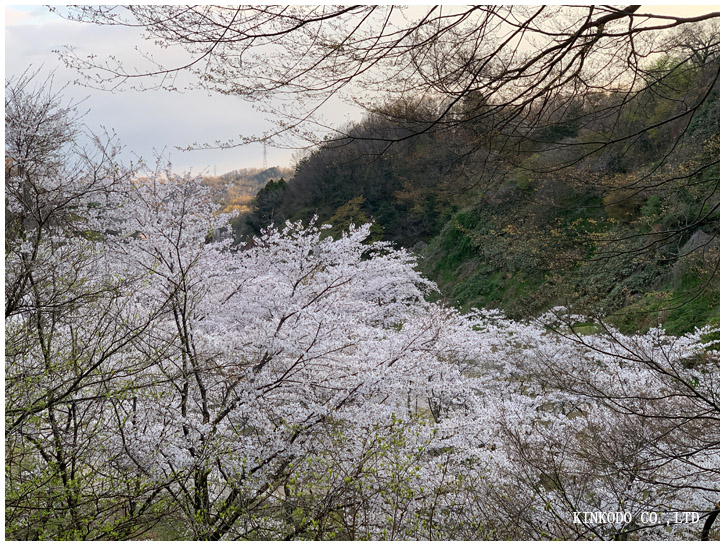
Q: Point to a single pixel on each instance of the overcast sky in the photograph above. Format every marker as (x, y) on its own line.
(157, 120)
(144, 121)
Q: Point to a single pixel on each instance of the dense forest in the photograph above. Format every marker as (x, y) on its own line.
(616, 236)
(488, 310)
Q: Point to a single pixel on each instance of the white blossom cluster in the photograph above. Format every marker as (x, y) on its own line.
(306, 387)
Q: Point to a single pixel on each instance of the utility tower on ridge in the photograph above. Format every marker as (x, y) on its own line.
(264, 155)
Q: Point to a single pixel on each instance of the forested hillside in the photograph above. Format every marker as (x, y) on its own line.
(628, 233)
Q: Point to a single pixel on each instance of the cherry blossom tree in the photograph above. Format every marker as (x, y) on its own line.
(258, 350)
(307, 389)
(164, 383)
(581, 425)
(68, 317)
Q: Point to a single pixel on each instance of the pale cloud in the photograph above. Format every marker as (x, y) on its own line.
(146, 122)
(14, 16)
(679, 11)
(27, 15)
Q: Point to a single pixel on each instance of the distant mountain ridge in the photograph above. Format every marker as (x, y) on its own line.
(235, 189)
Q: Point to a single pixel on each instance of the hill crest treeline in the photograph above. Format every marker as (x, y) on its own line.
(602, 206)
